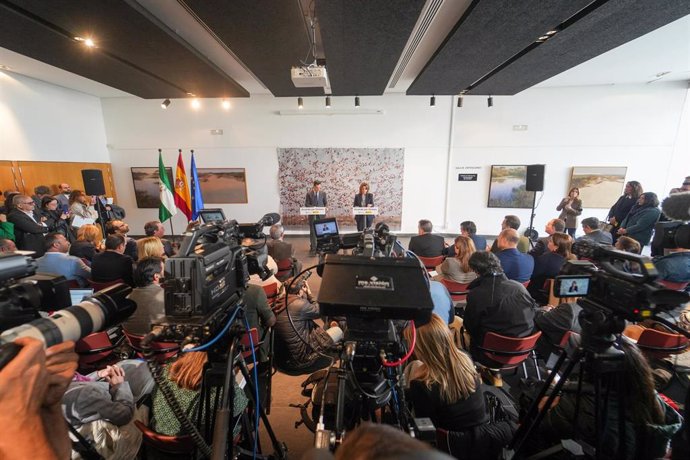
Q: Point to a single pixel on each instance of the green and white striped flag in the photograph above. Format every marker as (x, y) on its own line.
(167, 208)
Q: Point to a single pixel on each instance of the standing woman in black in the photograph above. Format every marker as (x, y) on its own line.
(364, 199)
(570, 207)
(622, 207)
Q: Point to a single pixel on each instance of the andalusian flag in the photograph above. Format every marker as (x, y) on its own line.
(197, 199)
(167, 207)
(182, 199)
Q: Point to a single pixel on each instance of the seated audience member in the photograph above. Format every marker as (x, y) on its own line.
(120, 227)
(280, 250)
(495, 303)
(6, 228)
(29, 231)
(259, 315)
(290, 352)
(425, 244)
(376, 441)
(444, 384)
(112, 264)
(552, 226)
(549, 265)
(89, 242)
(108, 211)
(593, 232)
(627, 244)
(443, 302)
(640, 222)
(80, 209)
(468, 229)
(40, 192)
(54, 219)
(148, 295)
(511, 221)
(185, 376)
(456, 268)
(554, 322)
(8, 204)
(151, 246)
(674, 267)
(516, 265)
(155, 228)
(649, 422)
(64, 192)
(56, 260)
(7, 246)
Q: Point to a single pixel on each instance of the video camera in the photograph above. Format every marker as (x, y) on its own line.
(207, 279)
(378, 242)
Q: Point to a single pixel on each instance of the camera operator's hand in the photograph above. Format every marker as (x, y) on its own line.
(61, 363)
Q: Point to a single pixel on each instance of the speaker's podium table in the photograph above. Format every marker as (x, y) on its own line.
(312, 211)
(365, 211)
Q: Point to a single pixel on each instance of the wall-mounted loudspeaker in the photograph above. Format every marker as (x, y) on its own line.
(535, 178)
(93, 181)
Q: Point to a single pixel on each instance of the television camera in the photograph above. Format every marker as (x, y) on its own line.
(377, 242)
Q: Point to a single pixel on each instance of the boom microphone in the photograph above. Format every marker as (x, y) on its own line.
(677, 206)
(270, 219)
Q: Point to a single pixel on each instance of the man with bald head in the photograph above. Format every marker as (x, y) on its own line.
(552, 226)
(516, 265)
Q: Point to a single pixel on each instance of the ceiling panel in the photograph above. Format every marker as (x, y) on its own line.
(607, 27)
(363, 40)
(268, 36)
(133, 54)
(489, 33)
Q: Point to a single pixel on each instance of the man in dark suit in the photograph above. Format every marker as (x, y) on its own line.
(155, 228)
(315, 198)
(112, 264)
(552, 226)
(29, 231)
(120, 227)
(516, 265)
(364, 199)
(280, 250)
(590, 226)
(425, 244)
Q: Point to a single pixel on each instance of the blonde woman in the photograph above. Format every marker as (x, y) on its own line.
(457, 268)
(444, 384)
(89, 242)
(151, 246)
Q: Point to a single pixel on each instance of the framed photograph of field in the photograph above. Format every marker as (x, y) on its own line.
(600, 186)
(507, 187)
(147, 186)
(223, 185)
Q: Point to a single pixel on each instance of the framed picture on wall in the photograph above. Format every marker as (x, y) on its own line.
(147, 186)
(600, 186)
(223, 185)
(507, 187)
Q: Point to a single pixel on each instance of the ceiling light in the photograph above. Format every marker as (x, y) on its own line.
(225, 104)
(356, 101)
(551, 32)
(196, 104)
(165, 104)
(490, 101)
(88, 42)
(5, 67)
(328, 102)
(543, 38)
(659, 75)
(300, 103)
(432, 101)
(460, 101)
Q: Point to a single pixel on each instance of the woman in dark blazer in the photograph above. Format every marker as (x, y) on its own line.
(620, 209)
(549, 264)
(364, 199)
(640, 222)
(570, 207)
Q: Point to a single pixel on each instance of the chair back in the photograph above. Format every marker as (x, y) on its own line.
(508, 351)
(525, 283)
(176, 445)
(431, 262)
(660, 344)
(246, 344)
(673, 286)
(95, 347)
(163, 351)
(284, 269)
(271, 291)
(100, 285)
(458, 291)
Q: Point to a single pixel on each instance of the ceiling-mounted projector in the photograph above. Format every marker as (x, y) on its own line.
(313, 76)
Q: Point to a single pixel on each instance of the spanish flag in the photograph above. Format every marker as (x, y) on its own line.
(182, 199)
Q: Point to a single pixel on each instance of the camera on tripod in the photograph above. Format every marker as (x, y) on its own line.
(377, 242)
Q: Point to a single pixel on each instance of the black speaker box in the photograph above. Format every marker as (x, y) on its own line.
(93, 181)
(535, 178)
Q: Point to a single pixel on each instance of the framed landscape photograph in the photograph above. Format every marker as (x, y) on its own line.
(600, 186)
(507, 187)
(147, 186)
(223, 185)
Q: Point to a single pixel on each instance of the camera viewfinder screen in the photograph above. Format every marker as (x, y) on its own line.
(325, 228)
(212, 215)
(573, 287)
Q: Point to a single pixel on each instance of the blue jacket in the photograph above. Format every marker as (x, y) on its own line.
(516, 265)
(640, 225)
(674, 267)
(72, 268)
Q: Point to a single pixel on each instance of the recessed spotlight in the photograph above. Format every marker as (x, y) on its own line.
(659, 75)
(328, 102)
(225, 104)
(551, 32)
(191, 94)
(543, 38)
(432, 101)
(300, 103)
(196, 104)
(460, 97)
(490, 101)
(165, 104)
(356, 101)
(89, 42)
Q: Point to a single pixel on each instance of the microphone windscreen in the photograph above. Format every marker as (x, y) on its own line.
(270, 219)
(677, 206)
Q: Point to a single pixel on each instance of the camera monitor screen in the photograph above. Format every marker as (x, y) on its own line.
(77, 295)
(572, 286)
(325, 228)
(212, 215)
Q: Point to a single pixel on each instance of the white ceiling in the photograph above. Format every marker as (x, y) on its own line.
(666, 49)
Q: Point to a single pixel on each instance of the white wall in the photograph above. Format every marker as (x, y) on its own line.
(636, 126)
(43, 122)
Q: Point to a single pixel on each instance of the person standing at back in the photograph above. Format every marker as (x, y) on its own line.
(640, 222)
(364, 199)
(623, 205)
(315, 198)
(570, 207)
